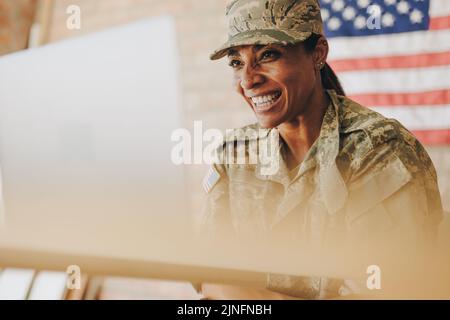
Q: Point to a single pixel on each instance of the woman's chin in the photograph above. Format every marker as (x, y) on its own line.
(271, 118)
(266, 123)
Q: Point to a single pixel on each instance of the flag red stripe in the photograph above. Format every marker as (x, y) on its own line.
(440, 23)
(433, 137)
(392, 62)
(427, 98)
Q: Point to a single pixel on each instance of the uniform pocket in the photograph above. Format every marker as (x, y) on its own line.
(365, 209)
(371, 223)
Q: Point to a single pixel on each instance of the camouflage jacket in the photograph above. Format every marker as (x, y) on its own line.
(364, 177)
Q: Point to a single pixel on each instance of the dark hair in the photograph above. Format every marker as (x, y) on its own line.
(330, 80)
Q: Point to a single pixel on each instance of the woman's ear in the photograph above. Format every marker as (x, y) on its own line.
(321, 52)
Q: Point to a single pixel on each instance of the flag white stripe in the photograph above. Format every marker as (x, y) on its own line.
(389, 44)
(394, 81)
(419, 117)
(439, 8)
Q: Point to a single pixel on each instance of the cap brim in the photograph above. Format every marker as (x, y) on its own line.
(259, 37)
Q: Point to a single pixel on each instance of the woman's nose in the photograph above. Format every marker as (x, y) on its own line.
(250, 78)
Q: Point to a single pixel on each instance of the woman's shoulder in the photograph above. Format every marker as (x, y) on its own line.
(370, 141)
(364, 126)
(379, 156)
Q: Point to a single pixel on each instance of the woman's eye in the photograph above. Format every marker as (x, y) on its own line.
(234, 63)
(269, 54)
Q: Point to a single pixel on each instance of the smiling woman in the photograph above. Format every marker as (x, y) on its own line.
(287, 68)
(347, 175)
(276, 80)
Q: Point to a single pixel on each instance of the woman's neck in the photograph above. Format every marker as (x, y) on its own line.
(300, 133)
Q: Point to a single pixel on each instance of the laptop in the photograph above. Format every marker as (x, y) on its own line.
(85, 135)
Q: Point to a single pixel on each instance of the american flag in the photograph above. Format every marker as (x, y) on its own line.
(394, 57)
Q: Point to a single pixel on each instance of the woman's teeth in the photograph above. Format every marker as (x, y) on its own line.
(263, 101)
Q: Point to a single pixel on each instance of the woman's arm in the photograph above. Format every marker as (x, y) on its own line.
(394, 198)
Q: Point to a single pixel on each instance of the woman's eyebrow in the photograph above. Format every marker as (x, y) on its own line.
(259, 47)
(233, 53)
(255, 49)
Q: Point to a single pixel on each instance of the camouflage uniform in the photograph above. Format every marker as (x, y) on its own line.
(364, 178)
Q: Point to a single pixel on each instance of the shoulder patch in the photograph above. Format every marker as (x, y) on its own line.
(211, 179)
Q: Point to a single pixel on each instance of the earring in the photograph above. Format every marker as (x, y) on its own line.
(320, 65)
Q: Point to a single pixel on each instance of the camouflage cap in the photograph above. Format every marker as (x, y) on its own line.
(264, 22)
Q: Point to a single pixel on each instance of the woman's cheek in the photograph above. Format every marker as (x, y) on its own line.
(237, 82)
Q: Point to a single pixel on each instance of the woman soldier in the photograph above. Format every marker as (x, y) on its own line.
(344, 169)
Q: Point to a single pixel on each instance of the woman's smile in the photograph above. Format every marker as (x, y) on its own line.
(265, 102)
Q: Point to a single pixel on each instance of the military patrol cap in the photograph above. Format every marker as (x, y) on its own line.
(262, 22)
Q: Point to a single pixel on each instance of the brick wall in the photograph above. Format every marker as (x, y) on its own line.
(206, 86)
(16, 17)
